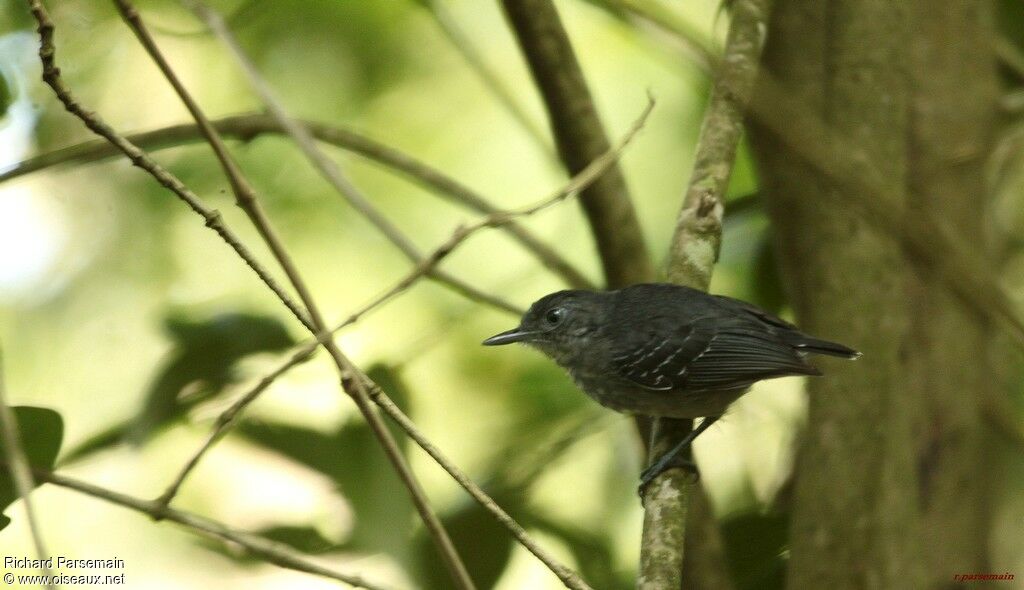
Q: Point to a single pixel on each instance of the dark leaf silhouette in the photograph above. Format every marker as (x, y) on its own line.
(203, 359)
(755, 545)
(305, 539)
(42, 431)
(200, 365)
(485, 545)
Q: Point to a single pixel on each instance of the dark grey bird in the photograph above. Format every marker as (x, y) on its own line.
(665, 350)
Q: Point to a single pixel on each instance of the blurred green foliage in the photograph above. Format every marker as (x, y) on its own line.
(41, 431)
(201, 364)
(755, 547)
(98, 333)
(6, 96)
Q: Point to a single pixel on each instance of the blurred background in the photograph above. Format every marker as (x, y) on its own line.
(121, 312)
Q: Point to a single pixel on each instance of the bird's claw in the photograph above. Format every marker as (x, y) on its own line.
(657, 469)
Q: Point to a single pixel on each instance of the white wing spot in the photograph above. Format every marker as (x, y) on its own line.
(668, 359)
(649, 354)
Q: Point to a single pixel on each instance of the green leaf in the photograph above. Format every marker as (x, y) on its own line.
(106, 439)
(1010, 20)
(6, 98)
(42, 431)
(755, 546)
(484, 544)
(301, 538)
(203, 360)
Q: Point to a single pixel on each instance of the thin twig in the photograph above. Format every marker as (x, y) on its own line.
(227, 418)
(327, 167)
(692, 256)
(211, 217)
(21, 474)
(696, 45)
(230, 416)
(491, 80)
(568, 577)
(246, 199)
(246, 127)
(267, 550)
(593, 171)
(46, 31)
(581, 138)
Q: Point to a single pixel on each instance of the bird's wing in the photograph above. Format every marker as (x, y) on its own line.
(709, 354)
(658, 359)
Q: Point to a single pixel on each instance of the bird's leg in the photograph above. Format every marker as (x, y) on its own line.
(669, 459)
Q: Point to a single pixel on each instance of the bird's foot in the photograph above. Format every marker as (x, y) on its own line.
(660, 467)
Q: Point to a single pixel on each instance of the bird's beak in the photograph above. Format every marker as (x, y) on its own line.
(508, 337)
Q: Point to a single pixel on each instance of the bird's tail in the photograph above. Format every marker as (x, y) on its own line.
(816, 346)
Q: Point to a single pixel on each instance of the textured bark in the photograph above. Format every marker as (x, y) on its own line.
(953, 110)
(694, 250)
(854, 521)
(891, 491)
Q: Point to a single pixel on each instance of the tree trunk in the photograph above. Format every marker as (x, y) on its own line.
(954, 107)
(890, 489)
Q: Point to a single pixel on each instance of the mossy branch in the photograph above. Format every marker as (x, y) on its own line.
(694, 251)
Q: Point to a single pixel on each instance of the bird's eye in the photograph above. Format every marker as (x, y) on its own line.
(554, 316)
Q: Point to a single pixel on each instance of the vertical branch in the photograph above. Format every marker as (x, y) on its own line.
(581, 138)
(694, 251)
(21, 472)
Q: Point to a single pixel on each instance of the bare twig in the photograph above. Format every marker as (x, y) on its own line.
(327, 167)
(581, 138)
(46, 31)
(246, 199)
(212, 217)
(593, 171)
(491, 80)
(692, 257)
(229, 416)
(21, 473)
(265, 549)
(568, 577)
(695, 44)
(246, 127)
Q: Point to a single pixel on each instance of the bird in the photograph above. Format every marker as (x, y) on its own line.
(665, 350)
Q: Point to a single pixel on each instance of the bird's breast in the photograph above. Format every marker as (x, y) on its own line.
(630, 399)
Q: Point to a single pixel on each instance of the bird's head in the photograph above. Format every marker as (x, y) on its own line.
(558, 324)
